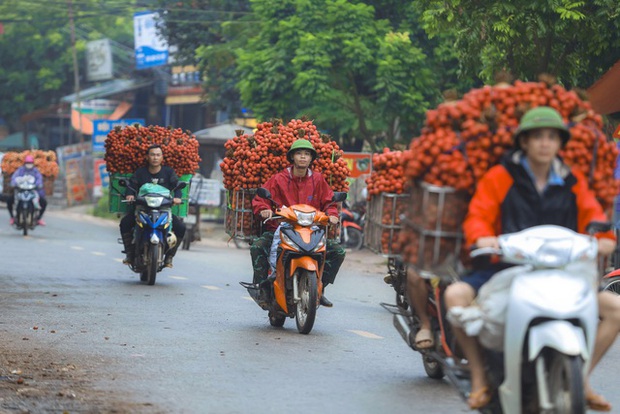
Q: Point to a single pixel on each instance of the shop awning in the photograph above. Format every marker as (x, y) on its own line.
(219, 134)
(107, 89)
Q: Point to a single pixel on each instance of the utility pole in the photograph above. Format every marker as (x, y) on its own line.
(76, 73)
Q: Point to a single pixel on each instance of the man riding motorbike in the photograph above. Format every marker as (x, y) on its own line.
(532, 186)
(156, 173)
(297, 184)
(28, 169)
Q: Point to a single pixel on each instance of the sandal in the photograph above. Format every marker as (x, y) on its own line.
(479, 399)
(424, 339)
(597, 402)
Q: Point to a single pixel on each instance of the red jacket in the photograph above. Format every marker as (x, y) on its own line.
(506, 201)
(287, 190)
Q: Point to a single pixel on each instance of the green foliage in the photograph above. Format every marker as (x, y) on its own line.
(333, 60)
(36, 52)
(577, 41)
(101, 207)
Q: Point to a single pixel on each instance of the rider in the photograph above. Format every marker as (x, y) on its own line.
(28, 169)
(156, 173)
(296, 184)
(531, 186)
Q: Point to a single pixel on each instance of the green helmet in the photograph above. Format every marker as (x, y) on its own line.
(298, 145)
(542, 117)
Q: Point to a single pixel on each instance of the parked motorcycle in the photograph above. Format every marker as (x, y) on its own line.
(26, 203)
(352, 229)
(153, 233)
(536, 322)
(296, 290)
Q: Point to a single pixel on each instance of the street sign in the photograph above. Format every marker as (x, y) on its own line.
(150, 48)
(102, 127)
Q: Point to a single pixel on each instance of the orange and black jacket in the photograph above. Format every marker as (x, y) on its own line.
(506, 201)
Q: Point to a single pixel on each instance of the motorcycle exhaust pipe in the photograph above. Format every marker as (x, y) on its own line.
(401, 323)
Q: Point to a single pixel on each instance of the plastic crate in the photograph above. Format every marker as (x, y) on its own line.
(117, 194)
(383, 222)
(239, 221)
(436, 229)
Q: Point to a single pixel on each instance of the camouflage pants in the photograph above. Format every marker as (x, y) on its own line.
(260, 258)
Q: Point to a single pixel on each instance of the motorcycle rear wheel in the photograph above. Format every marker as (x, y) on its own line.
(432, 367)
(612, 284)
(152, 264)
(565, 383)
(305, 312)
(276, 320)
(354, 238)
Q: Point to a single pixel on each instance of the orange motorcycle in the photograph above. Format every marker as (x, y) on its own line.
(296, 289)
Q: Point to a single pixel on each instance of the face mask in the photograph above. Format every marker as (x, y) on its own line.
(29, 166)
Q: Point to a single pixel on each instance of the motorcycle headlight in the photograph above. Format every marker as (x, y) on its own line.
(153, 201)
(304, 219)
(289, 241)
(320, 243)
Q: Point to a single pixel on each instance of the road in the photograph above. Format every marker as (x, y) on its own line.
(79, 333)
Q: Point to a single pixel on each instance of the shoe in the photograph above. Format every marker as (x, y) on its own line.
(324, 302)
(424, 339)
(597, 402)
(12, 221)
(479, 399)
(40, 222)
(168, 262)
(389, 279)
(127, 260)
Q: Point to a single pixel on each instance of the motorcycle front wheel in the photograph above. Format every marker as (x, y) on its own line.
(353, 238)
(612, 284)
(152, 257)
(25, 221)
(565, 382)
(306, 308)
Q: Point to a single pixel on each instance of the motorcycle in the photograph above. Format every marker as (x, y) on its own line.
(26, 203)
(153, 233)
(536, 322)
(296, 290)
(351, 232)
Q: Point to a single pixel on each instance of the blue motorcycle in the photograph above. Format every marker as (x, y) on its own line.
(153, 235)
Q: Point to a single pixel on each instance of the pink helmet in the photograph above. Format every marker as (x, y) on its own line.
(29, 159)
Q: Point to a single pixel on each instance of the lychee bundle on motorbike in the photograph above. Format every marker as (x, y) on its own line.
(517, 334)
(295, 287)
(145, 185)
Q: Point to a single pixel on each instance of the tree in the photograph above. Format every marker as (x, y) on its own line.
(576, 41)
(36, 50)
(206, 33)
(358, 76)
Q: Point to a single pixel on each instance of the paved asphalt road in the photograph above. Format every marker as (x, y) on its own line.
(196, 343)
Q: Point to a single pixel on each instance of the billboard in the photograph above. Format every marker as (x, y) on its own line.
(150, 49)
(99, 60)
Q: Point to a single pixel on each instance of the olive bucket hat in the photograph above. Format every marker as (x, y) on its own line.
(542, 117)
(299, 145)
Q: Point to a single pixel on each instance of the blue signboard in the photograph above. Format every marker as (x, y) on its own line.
(102, 127)
(150, 48)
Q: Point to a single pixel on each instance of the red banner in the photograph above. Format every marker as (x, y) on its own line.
(360, 163)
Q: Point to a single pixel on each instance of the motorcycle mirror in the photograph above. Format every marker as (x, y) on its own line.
(598, 227)
(263, 193)
(339, 196)
(181, 185)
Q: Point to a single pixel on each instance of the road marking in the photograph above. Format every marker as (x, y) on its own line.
(77, 248)
(248, 298)
(366, 334)
(178, 277)
(98, 253)
(210, 287)
(118, 260)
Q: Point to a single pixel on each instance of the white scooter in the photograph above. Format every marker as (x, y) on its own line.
(543, 316)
